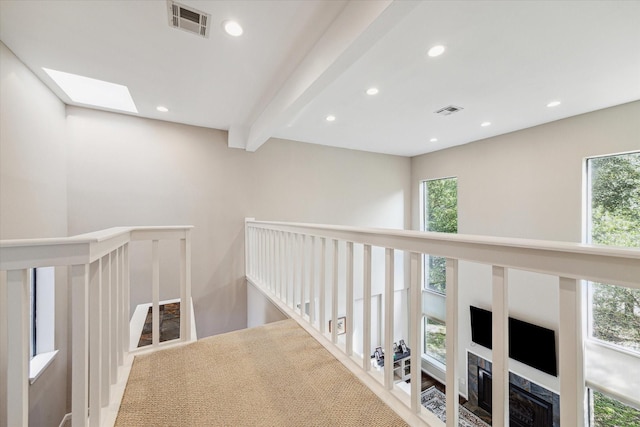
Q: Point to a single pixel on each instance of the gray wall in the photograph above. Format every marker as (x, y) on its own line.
(526, 184)
(33, 203)
(125, 170)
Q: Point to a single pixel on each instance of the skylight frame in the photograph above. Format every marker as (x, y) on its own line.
(93, 92)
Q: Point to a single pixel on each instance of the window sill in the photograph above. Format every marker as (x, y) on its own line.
(39, 363)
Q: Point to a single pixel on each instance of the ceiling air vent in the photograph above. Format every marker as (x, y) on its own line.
(188, 19)
(447, 111)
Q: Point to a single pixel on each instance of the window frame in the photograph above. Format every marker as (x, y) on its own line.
(426, 290)
(42, 320)
(588, 238)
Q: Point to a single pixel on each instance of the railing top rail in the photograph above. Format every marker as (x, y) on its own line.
(92, 237)
(549, 245)
(574, 260)
(78, 249)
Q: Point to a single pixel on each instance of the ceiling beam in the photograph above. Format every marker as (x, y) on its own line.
(358, 28)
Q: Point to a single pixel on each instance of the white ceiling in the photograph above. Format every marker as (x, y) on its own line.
(299, 61)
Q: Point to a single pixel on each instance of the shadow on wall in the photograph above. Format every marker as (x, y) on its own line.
(223, 305)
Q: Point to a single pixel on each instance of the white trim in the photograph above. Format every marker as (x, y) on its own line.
(39, 363)
(66, 419)
(613, 372)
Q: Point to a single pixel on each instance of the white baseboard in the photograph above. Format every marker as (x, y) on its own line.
(66, 421)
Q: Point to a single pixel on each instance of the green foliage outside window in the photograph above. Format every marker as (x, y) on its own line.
(610, 412)
(435, 333)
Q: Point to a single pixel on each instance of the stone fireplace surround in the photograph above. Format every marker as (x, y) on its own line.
(474, 362)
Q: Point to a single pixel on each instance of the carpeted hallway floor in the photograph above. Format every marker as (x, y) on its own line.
(273, 375)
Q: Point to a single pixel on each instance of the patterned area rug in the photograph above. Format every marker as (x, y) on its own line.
(434, 400)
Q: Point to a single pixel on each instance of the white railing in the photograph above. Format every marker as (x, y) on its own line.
(99, 265)
(282, 259)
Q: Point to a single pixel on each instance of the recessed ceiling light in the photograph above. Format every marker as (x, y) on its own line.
(436, 51)
(233, 28)
(485, 124)
(330, 118)
(372, 91)
(162, 109)
(433, 140)
(97, 93)
(553, 104)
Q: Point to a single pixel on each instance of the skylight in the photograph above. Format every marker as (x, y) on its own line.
(93, 92)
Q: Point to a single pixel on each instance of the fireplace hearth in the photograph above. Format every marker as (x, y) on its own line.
(525, 409)
(530, 405)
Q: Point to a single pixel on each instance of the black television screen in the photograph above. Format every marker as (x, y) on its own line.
(533, 345)
(530, 344)
(481, 326)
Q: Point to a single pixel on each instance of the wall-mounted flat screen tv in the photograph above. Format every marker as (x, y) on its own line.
(530, 344)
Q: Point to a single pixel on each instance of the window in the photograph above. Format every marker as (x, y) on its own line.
(42, 320)
(440, 213)
(435, 333)
(614, 219)
(606, 411)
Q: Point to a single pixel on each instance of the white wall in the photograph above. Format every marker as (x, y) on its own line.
(33, 203)
(260, 310)
(525, 184)
(125, 170)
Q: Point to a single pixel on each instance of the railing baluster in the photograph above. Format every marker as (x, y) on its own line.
(17, 387)
(80, 345)
(500, 352)
(452, 343)
(126, 298)
(571, 354)
(274, 259)
(275, 288)
(366, 310)
(323, 294)
(185, 287)
(349, 349)
(95, 343)
(113, 318)
(263, 255)
(312, 281)
(282, 267)
(415, 321)
(334, 294)
(120, 323)
(303, 276)
(388, 316)
(155, 293)
(295, 293)
(288, 269)
(106, 332)
(260, 255)
(251, 251)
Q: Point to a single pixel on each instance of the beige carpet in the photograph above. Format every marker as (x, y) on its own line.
(273, 375)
